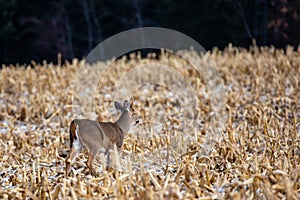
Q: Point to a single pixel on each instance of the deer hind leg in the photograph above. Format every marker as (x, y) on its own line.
(73, 153)
(89, 164)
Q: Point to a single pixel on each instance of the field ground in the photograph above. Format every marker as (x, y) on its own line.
(256, 156)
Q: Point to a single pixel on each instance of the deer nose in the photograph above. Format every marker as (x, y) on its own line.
(137, 121)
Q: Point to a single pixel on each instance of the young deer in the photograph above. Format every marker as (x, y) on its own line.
(94, 135)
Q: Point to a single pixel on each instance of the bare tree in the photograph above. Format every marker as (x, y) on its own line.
(68, 30)
(261, 21)
(138, 14)
(238, 6)
(86, 13)
(96, 21)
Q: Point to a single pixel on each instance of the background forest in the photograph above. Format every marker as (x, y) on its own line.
(39, 29)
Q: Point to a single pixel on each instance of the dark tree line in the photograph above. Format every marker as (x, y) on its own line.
(39, 29)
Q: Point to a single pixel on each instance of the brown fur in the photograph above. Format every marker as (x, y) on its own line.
(113, 133)
(72, 133)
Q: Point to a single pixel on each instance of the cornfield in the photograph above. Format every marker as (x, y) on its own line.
(255, 156)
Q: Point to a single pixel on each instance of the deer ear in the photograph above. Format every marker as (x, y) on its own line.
(131, 100)
(118, 106)
(126, 104)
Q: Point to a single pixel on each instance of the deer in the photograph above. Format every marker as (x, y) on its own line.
(94, 135)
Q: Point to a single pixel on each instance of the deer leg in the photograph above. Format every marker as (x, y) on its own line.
(108, 168)
(89, 165)
(70, 158)
(108, 157)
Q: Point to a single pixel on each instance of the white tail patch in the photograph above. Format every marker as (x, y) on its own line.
(76, 143)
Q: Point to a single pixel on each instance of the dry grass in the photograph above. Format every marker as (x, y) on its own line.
(257, 155)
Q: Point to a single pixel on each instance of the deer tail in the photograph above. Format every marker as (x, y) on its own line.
(73, 135)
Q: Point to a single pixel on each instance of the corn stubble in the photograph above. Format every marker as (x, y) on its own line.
(257, 156)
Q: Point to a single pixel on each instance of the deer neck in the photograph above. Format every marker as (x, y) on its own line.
(124, 122)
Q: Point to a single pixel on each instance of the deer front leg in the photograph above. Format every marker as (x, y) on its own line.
(107, 153)
(70, 158)
(107, 161)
